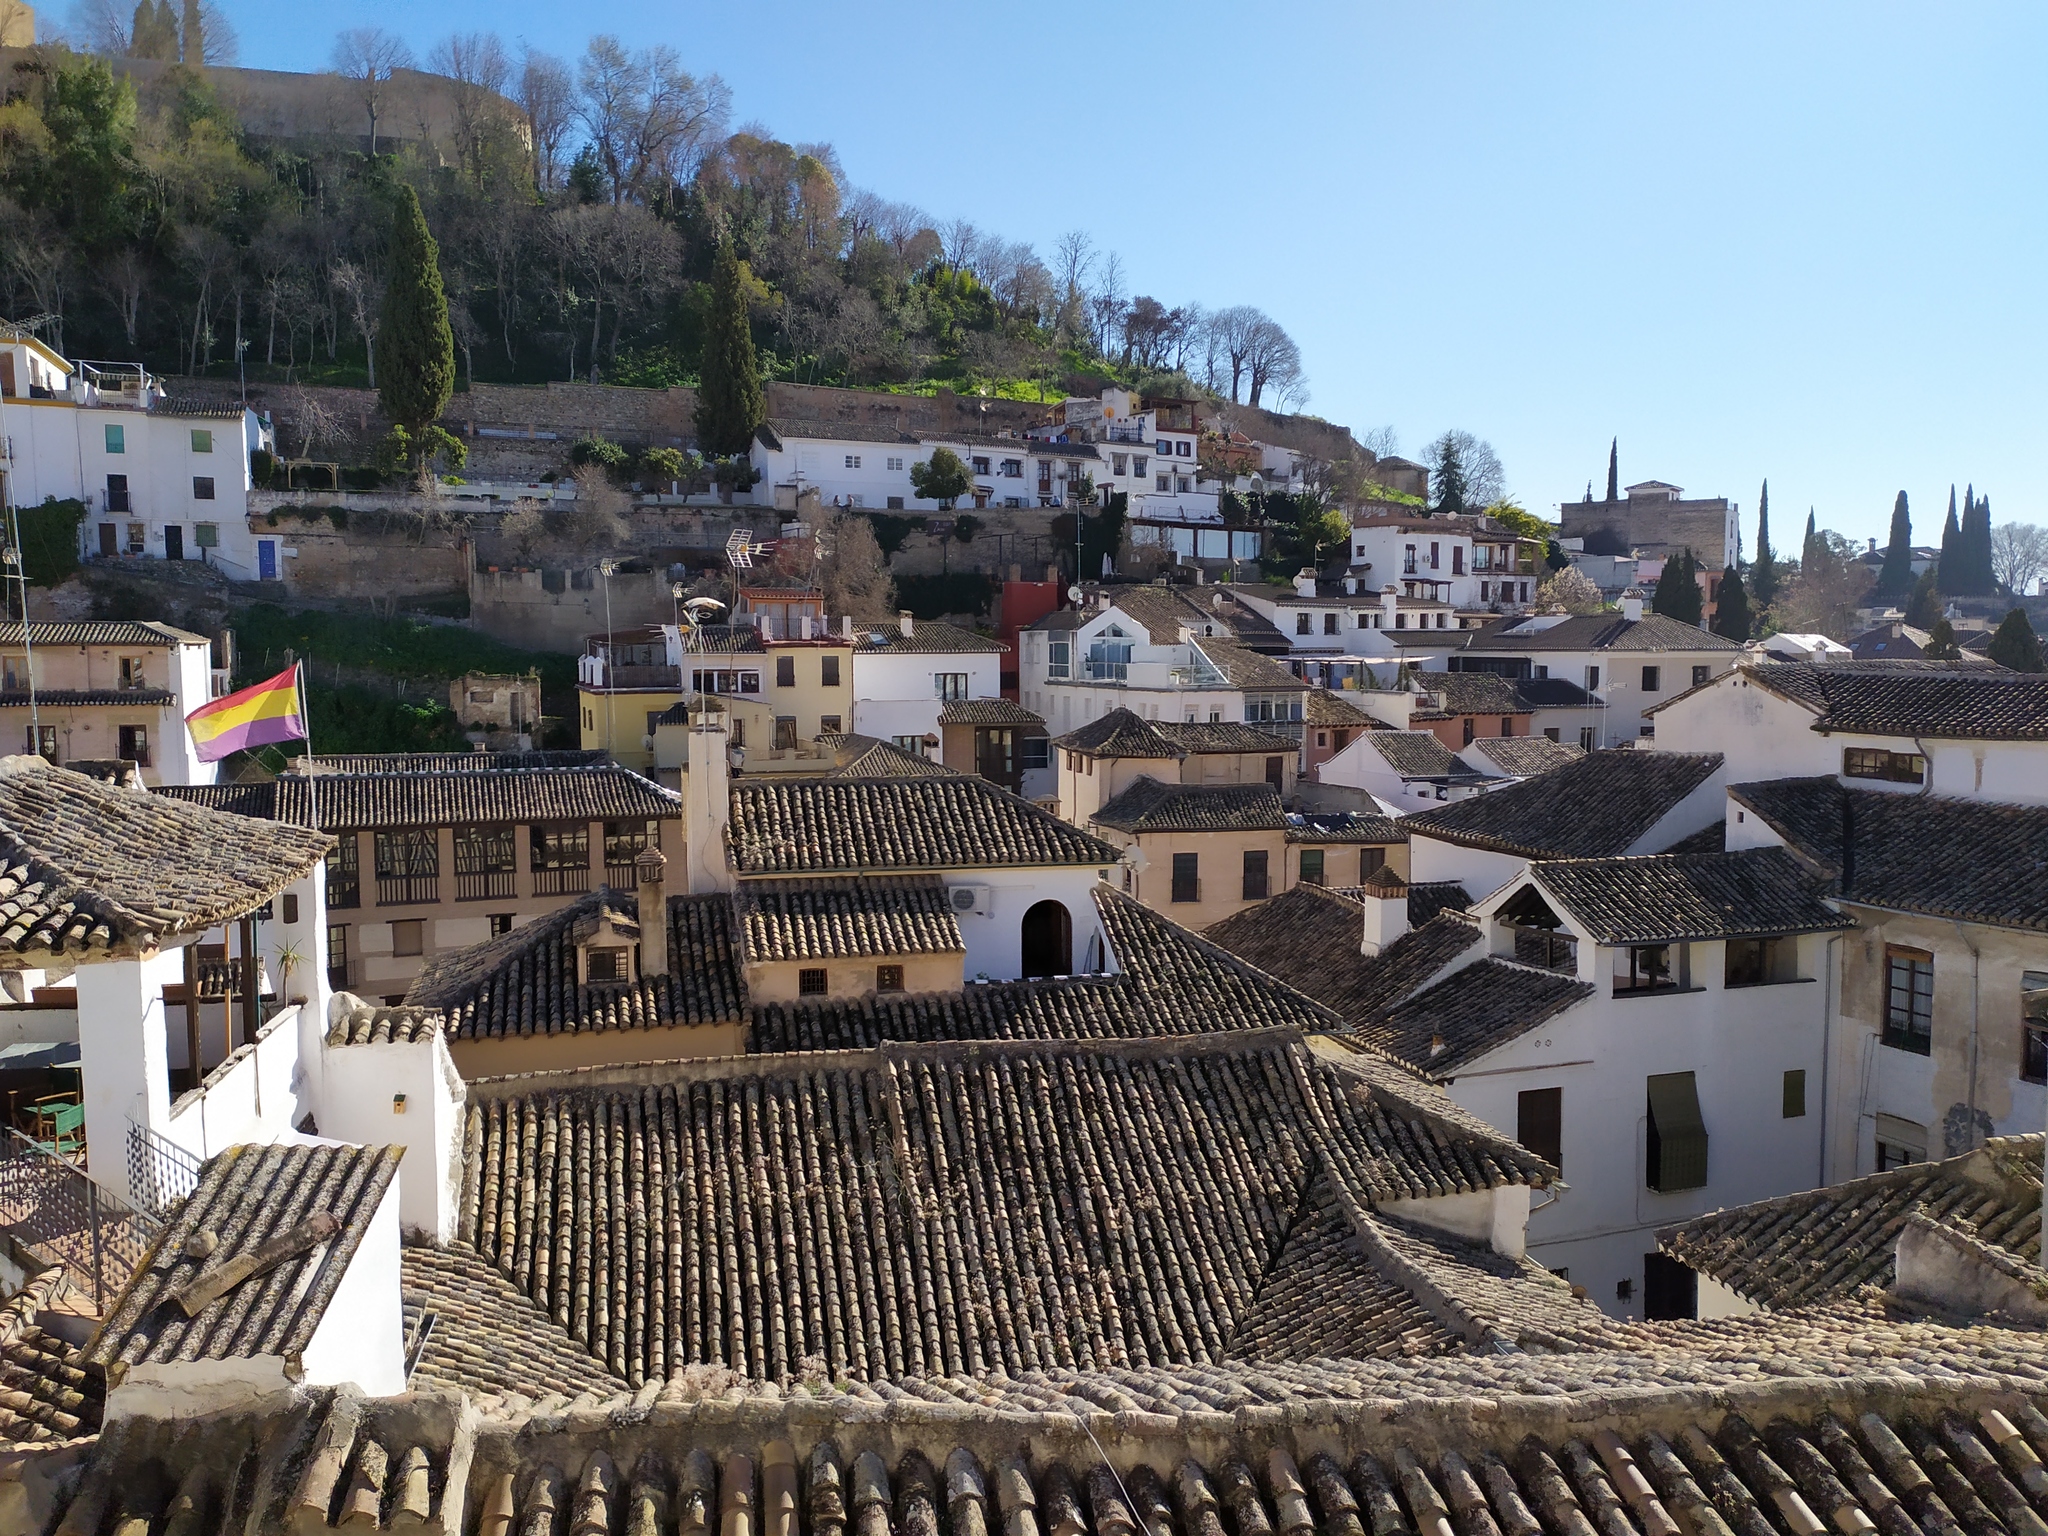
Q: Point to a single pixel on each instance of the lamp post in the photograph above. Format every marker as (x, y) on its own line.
(605, 568)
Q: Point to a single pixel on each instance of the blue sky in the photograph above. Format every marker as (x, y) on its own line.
(1797, 241)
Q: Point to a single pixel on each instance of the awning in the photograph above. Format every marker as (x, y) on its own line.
(1678, 1134)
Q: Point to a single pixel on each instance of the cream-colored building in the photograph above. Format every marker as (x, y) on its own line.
(1099, 760)
(108, 689)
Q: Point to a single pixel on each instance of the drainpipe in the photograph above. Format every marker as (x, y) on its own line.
(1827, 1052)
(1975, 966)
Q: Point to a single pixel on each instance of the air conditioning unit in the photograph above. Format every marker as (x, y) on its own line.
(978, 899)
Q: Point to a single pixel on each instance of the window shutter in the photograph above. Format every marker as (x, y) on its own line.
(1678, 1135)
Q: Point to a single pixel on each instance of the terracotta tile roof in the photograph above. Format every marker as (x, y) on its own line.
(1470, 1012)
(1596, 807)
(774, 431)
(723, 640)
(1426, 898)
(1344, 827)
(1672, 898)
(1603, 632)
(46, 1393)
(1162, 611)
(1419, 755)
(1524, 757)
(822, 826)
(482, 1336)
(927, 637)
(838, 919)
(1823, 1244)
(1308, 937)
(1247, 669)
(1934, 700)
(1533, 693)
(246, 1196)
(1473, 693)
(988, 712)
(112, 632)
(196, 407)
(1899, 851)
(59, 698)
(455, 762)
(87, 866)
(439, 798)
(1324, 707)
(1097, 1205)
(869, 757)
(524, 982)
(1125, 733)
(1146, 805)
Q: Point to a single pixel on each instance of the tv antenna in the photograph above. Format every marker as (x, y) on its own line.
(739, 549)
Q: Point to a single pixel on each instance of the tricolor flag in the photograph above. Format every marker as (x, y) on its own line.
(256, 716)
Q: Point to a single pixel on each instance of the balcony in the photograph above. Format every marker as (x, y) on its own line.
(1125, 434)
(408, 890)
(483, 884)
(1107, 671)
(568, 881)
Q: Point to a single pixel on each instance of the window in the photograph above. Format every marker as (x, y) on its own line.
(337, 956)
(811, 982)
(1539, 1123)
(1370, 862)
(1550, 733)
(135, 744)
(1011, 469)
(609, 964)
(1908, 1000)
(1435, 556)
(896, 502)
(132, 672)
(1187, 881)
(117, 439)
(1160, 482)
(853, 461)
(951, 686)
(1119, 463)
(1677, 1135)
(1408, 560)
(42, 741)
(560, 857)
(914, 745)
(2034, 1022)
(408, 866)
(1653, 679)
(202, 487)
(1304, 623)
(1760, 962)
(1312, 867)
(1457, 559)
(1255, 883)
(1275, 770)
(1899, 1142)
(1875, 763)
(138, 535)
(1699, 676)
(1671, 1291)
(785, 671)
(1059, 658)
(1792, 1106)
(625, 841)
(206, 535)
(409, 937)
(1470, 730)
(785, 733)
(981, 466)
(202, 440)
(828, 671)
(1032, 751)
(1649, 968)
(896, 465)
(501, 923)
(1138, 463)
(1585, 738)
(344, 887)
(888, 978)
(831, 725)
(1592, 678)
(1183, 484)
(1400, 621)
(1330, 623)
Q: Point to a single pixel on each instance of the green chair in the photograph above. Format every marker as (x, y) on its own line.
(60, 1128)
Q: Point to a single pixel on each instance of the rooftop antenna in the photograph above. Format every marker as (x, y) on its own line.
(739, 554)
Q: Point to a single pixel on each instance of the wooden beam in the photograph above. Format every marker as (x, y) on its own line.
(192, 1012)
(196, 1294)
(251, 983)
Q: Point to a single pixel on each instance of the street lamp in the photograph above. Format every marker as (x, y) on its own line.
(605, 568)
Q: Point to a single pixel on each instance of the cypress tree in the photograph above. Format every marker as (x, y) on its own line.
(1731, 607)
(1678, 590)
(194, 36)
(1614, 470)
(729, 400)
(1763, 578)
(1806, 550)
(1924, 606)
(414, 338)
(1897, 575)
(1979, 533)
(1949, 565)
(2016, 645)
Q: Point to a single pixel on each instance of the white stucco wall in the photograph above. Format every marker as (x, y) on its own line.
(995, 943)
(894, 693)
(357, 1104)
(361, 1337)
(123, 1053)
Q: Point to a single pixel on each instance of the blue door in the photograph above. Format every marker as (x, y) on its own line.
(266, 559)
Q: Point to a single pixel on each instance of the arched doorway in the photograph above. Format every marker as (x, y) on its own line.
(1048, 940)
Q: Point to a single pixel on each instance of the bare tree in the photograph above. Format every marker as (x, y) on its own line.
(648, 117)
(122, 277)
(315, 420)
(1073, 258)
(1229, 340)
(962, 244)
(362, 295)
(477, 68)
(1108, 303)
(98, 26)
(1478, 467)
(1380, 442)
(546, 94)
(1273, 362)
(1572, 590)
(366, 57)
(2019, 555)
(40, 259)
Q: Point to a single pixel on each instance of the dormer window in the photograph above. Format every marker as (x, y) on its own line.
(1536, 933)
(609, 964)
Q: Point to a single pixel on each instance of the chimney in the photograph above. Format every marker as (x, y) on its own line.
(1632, 605)
(1386, 910)
(1304, 583)
(707, 805)
(1351, 586)
(805, 622)
(1390, 600)
(906, 623)
(649, 870)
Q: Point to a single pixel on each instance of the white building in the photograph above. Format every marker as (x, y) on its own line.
(1350, 618)
(1407, 770)
(160, 478)
(905, 674)
(1158, 652)
(847, 464)
(1470, 562)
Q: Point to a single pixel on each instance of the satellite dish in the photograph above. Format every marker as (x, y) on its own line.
(1073, 594)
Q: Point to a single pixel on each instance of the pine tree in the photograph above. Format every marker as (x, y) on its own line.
(414, 341)
(1449, 477)
(1949, 568)
(1924, 606)
(1897, 575)
(1941, 643)
(2016, 645)
(194, 36)
(729, 400)
(1678, 590)
(1731, 607)
(1763, 577)
(1614, 470)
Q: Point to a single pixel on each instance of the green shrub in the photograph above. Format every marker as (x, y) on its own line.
(338, 516)
(49, 540)
(931, 597)
(600, 451)
(663, 464)
(262, 466)
(965, 527)
(892, 530)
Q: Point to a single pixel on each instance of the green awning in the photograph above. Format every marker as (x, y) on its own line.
(1678, 1134)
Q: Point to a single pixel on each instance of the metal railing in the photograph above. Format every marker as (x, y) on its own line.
(51, 1204)
(160, 1172)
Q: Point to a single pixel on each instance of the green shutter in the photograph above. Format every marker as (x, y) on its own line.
(1678, 1136)
(1795, 1093)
